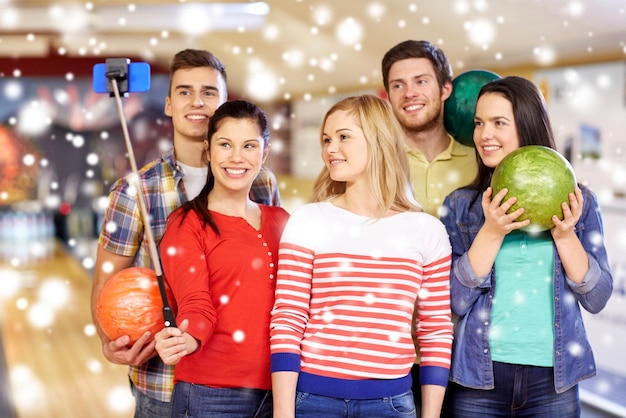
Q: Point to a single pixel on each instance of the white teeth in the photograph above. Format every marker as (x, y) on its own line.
(491, 148)
(235, 171)
(413, 107)
(196, 117)
(333, 162)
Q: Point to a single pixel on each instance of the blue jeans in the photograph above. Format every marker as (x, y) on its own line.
(146, 407)
(520, 391)
(197, 401)
(309, 405)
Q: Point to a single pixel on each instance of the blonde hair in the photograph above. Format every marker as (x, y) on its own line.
(388, 166)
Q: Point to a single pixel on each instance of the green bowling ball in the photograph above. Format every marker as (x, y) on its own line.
(458, 109)
(541, 179)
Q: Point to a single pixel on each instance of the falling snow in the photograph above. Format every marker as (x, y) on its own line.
(36, 190)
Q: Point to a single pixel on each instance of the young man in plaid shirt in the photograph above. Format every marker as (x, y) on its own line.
(197, 88)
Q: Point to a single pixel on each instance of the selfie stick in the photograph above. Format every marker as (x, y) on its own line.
(168, 315)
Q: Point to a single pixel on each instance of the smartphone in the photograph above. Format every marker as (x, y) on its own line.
(136, 81)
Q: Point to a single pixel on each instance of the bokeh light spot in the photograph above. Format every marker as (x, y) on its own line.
(239, 336)
(40, 315)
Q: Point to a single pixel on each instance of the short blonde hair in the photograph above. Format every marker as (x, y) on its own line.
(388, 166)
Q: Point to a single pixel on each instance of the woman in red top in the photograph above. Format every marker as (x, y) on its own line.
(219, 256)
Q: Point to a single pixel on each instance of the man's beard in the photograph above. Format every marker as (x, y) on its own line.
(428, 125)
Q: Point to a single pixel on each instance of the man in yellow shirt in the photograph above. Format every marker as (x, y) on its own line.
(418, 79)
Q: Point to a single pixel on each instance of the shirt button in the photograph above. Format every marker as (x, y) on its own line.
(269, 253)
(486, 323)
(259, 236)
(271, 276)
(271, 264)
(265, 244)
(485, 351)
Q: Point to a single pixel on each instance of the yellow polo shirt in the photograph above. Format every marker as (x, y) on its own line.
(455, 167)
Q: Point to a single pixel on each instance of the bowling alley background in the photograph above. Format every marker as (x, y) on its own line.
(61, 148)
(587, 106)
(53, 183)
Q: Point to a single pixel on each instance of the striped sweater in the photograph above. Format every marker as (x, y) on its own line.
(346, 291)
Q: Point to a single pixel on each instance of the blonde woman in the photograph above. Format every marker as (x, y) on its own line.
(354, 267)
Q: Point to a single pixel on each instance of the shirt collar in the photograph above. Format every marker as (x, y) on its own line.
(455, 149)
(170, 159)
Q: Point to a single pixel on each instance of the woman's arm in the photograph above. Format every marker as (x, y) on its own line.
(284, 394)
(434, 323)
(483, 251)
(594, 289)
(472, 262)
(465, 287)
(185, 269)
(289, 319)
(290, 313)
(571, 252)
(432, 400)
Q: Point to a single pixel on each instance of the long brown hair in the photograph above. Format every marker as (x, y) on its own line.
(531, 119)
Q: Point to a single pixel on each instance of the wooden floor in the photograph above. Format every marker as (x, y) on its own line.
(54, 359)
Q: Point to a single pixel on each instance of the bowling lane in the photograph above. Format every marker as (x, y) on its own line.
(54, 361)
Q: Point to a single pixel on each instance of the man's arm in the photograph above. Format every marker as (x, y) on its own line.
(117, 351)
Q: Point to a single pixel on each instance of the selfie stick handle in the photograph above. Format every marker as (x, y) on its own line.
(168, 315)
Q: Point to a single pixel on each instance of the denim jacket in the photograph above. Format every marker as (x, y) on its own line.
(471, 296)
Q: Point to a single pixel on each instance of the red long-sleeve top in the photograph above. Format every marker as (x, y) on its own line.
(224, 285)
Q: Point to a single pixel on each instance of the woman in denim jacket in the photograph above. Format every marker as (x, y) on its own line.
(520, 347)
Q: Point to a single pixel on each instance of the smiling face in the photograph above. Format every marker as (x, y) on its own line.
(415, 95)
(344, 148)
(236, 153)
(495, 132)
(194, 96)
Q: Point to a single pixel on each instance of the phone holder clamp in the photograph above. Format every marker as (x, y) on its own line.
(117, 68)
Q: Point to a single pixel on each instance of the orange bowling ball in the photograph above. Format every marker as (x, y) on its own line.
(130, 304)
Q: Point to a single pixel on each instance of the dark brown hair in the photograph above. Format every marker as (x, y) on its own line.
(195, 58)
(531, 119)
(234, 109)
(417, 49)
